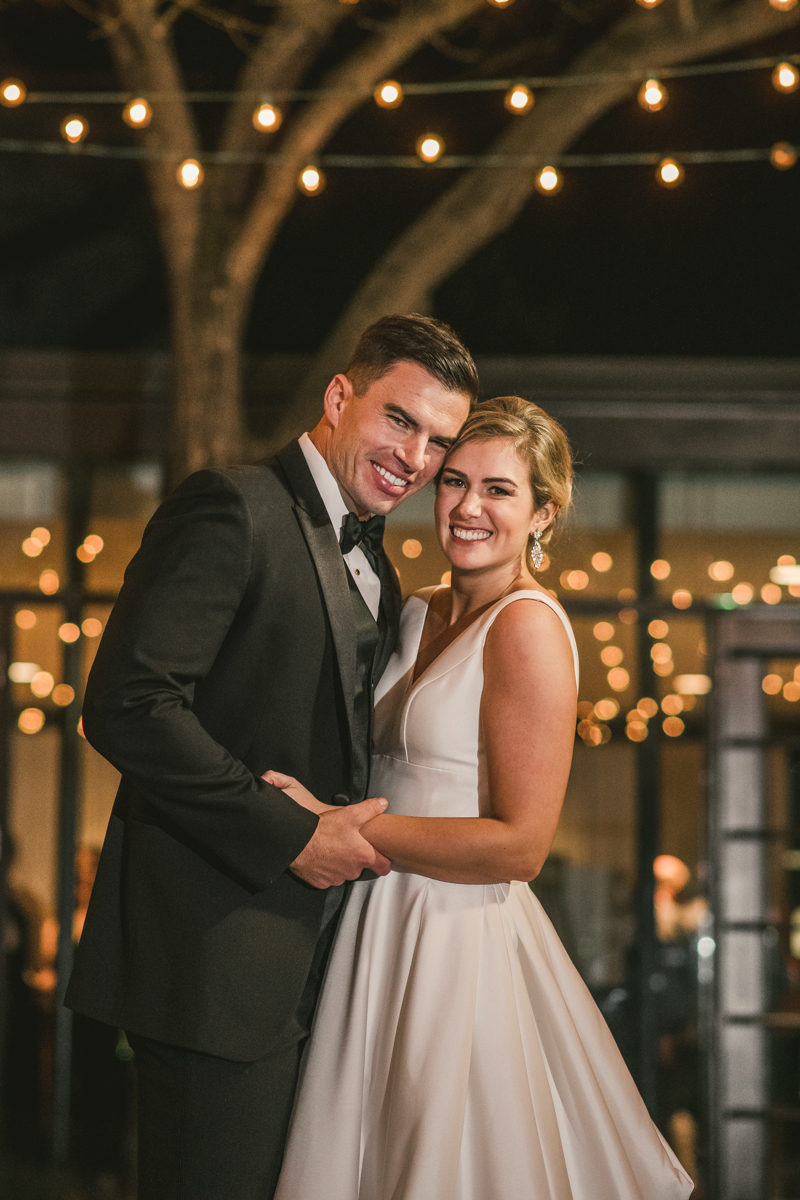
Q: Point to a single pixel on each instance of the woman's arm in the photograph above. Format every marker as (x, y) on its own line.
(527, 724)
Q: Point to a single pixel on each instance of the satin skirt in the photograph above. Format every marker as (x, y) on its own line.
(457, 1055)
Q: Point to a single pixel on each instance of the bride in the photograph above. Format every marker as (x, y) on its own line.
(456, 1053)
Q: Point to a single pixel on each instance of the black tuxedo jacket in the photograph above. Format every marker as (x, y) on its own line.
(231, 649)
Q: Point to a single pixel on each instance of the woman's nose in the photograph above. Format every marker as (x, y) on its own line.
(470, 505)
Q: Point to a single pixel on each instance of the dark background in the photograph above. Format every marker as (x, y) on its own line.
(614, 264)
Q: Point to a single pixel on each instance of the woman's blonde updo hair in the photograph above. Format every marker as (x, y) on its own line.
(537, 438)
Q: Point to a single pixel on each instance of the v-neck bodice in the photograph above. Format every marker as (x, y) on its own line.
(434, 723)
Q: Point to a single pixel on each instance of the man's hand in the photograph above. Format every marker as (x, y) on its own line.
(337, 851)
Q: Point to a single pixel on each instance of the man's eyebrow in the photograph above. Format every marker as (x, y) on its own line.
(397, 411)
(401, 412)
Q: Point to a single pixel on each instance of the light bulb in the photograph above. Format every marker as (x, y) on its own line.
(519, 99)
(137, 114)
(783, 156)
(786, 78)
(12, 92)
(652, 95)
(74, 129)
(311, 181)
(388, 94)
(783, 5)
(190, 174)
(267, 118)
(430, 147)
(648, 3)
(669, 173)
(500, 3)
(548, 181)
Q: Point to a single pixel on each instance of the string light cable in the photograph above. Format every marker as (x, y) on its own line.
(409, 161)
(442, 88)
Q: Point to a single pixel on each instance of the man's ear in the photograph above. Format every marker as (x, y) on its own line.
(338, 394)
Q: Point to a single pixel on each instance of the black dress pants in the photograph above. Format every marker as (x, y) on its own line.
(213, 1129)
(210, 1128)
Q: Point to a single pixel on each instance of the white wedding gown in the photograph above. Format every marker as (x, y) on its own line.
(456, 1053)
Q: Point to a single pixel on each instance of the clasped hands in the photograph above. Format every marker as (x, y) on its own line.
(337, 850)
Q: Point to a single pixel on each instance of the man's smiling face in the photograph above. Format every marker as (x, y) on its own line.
(389, 442)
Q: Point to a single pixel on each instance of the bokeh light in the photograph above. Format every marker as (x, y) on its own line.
(652, 95)
(412, 548)
(190, 174)
(311, 181)
(519, 99)
(430, 147)
(267, 118)
(12, 92)
(669, 173)
(602, 561)
(137, 113)
(549, 181)
(388, 94)
(31, 720)
(74, 129)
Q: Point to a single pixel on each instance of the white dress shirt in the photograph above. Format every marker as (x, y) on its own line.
(365, 578)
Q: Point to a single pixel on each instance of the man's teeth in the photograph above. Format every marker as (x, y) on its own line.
(471, 535)
(387, 475)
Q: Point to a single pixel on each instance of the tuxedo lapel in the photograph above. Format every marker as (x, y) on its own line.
(323, 547)
(391, 604)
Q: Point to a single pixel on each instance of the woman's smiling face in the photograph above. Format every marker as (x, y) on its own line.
(484, 506)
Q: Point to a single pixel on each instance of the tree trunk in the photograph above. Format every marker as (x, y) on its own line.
(206, 416)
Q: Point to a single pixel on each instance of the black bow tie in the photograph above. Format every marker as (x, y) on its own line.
(366, 534)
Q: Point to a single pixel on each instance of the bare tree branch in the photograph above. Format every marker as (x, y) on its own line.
(352, 80)
(486, 201)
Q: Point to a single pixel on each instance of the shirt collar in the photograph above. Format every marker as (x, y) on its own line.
(327, 486)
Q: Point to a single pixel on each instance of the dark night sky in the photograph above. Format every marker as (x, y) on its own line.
(614, 264)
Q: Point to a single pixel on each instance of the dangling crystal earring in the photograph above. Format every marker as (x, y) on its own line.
(537, 553)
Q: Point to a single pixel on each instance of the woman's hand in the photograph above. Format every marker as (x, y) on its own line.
(298, 793)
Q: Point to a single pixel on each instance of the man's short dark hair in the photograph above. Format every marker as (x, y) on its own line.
(409, 337)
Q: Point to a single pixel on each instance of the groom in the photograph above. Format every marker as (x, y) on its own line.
(252, 626)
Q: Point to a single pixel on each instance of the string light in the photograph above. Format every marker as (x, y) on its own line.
(12, 92)
(720, 570)
(603, 630)
(25, 619)
(430, 147)
(783, 156)
(669, 173)
(267, 118)
(91, 627)
(611, 656)
(412, 548)
(658, 629)
(660, 569)
(771, 593)
(74, 129)
(786, 78)
(500, 3)
(190, 174)
(673, 726)
(783, 5)
(652, 95)
(548, 181)
(519, 99)
(48, 583)
(648, 3)
(69, 632)
(311, 180)
(42, 684)
(682, 598)
(388, 94)
(772, 685)
(138, 114)
(63, 695)
(618, 679)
